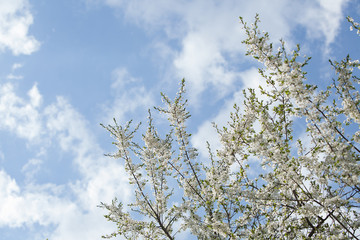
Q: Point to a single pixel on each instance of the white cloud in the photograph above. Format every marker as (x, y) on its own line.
(13, 68)
(211, 38)
(31, 168)
(15, 20)
(121, 78)
(72, 207)
(322, 20)
(12, 76)
(101, 178)
(18, 114)
(69, 128)
(35, 97)
(203, 64)
(130, 95)
(16, 66)
(102, 183)
(19, 207)
(77, 225)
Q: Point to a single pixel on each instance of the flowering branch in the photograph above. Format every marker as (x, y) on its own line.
(267, 181)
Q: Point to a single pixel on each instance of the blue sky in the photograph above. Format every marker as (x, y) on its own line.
(66, 66)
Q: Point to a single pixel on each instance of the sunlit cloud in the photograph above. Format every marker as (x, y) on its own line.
(129, 97)
(18, 114)
(211, 41)
(15, 20)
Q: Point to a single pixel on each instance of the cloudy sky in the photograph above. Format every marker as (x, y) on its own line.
(66, 66)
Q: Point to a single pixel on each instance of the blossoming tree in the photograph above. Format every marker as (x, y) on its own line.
(308, 187)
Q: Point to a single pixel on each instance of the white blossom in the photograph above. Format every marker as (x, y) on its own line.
(299, 189)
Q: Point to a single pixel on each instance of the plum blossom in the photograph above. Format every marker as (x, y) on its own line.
(302, 188)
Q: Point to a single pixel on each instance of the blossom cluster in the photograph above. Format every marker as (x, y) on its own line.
(309, 187)
(354, 25)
